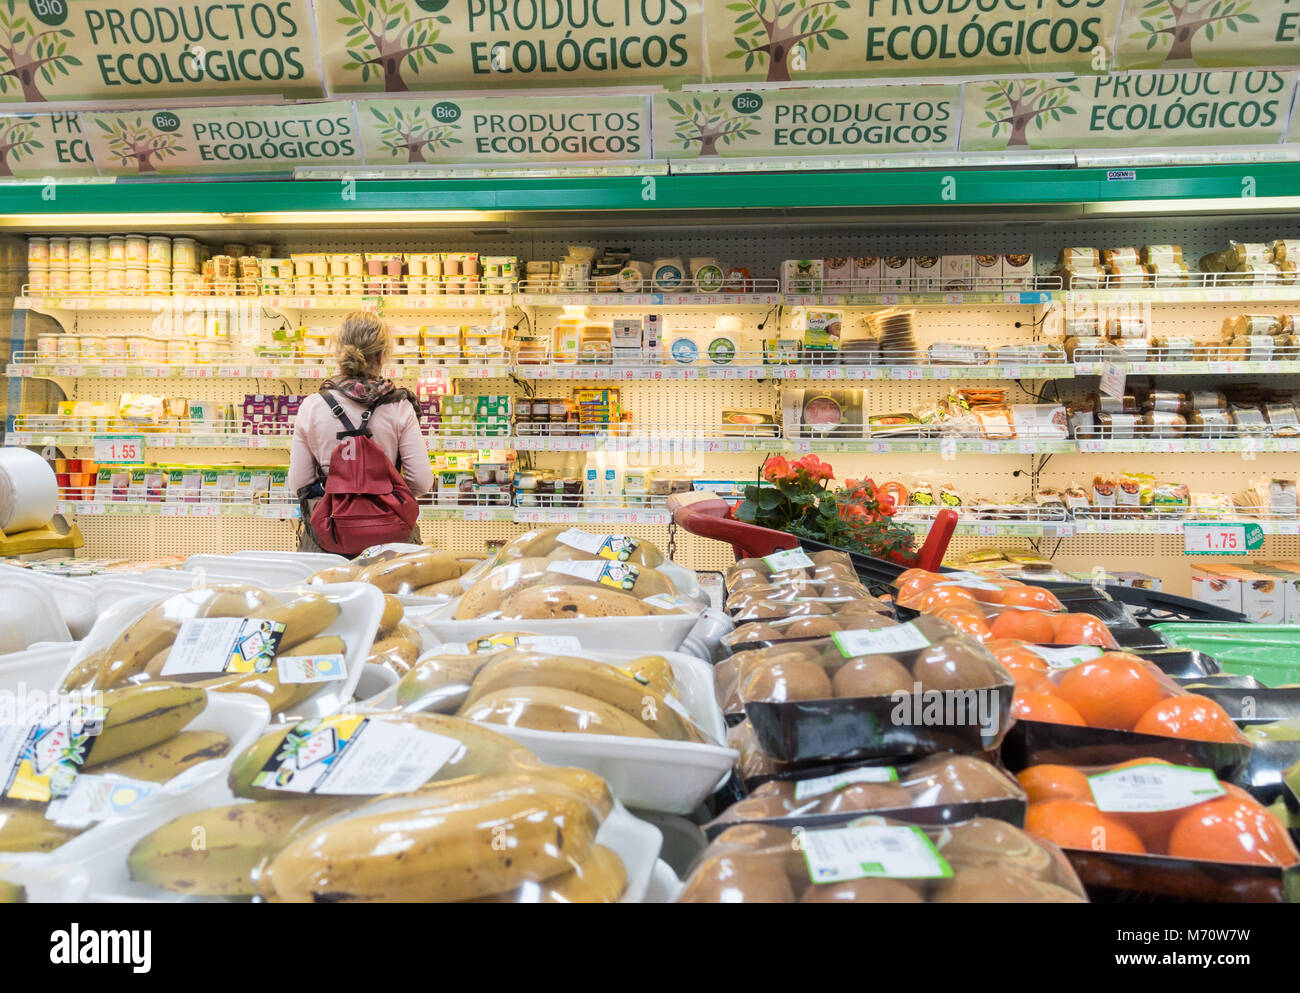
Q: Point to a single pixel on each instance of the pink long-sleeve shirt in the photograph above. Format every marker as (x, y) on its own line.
(393, 425)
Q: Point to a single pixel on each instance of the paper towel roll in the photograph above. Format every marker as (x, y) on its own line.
(29, 491)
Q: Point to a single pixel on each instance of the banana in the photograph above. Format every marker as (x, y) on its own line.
(393, 614)
(12, 892)
(142, 716)
(545, 543)
(303, 618)
(25, 828)
(653, 671)
(448, 587)
(278, 696)
(410, 572)
(214, 852)
(82, 675)
(395, 653)
(588, 678)
(598, 878)
(484, 752)
(433, 854)
(544, 708)
(548, 602)
(485, 596)
(333, 574)
(522, 781)
(439, 683)
(157, 629)
(162, 762)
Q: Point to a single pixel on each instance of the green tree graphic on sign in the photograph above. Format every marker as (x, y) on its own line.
(775, 29)
(705, 124)
(1182, 21)
(381, 39)
(1018, 106)
(139, 143)
(28, 55)
(17, 138)
(413, 135)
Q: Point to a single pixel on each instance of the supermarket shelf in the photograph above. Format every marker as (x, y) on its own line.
(1037, 522)
(1209, 367)
(88, 508)
(28, 430)
(1250, 443)
(21, 369)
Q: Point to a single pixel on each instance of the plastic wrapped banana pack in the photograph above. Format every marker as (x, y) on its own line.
(519, 688)
(466, 815)
(562, 572)
(425, 572)
(285, 646)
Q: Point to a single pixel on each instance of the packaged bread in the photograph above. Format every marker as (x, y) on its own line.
(1209, 422)
(1113, 258)
(1250, 348)
(1132, 349)
(1208, 399)
(1253, 273)
(1163, 423)
(1118, 425)
(1038, 352)
(1244, 325)
(946, 353)
(1168, 273)
(1286, 271)
(1084, 349)
(1249, 419)
(1104, 491)
(1081, 277)
(1081, 327)
(1173, 349)
(1285, 249)
(1286, 347)
(1126, 277)
(1076, 258)
(1214, 262)
(1126, 327)
(1248, 253)
(1167, 400)
(1282, 419)
(1162, 254)
(1126, 404)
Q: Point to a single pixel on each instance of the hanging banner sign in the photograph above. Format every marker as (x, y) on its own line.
(1127, 111)
(833, 120)
(782, 40)
(33, 146)
(397, 45)
(200, 140)
(495, 131)
(1182, 34)
(65, 50)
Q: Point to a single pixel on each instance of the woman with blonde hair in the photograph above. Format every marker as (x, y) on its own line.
(363, 411)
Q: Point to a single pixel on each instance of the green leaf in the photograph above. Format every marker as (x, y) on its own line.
(444, 49)
(349, 21)
(749, 61)
(746, 512)
(786, 9)
(838, 35)
(348, 6)
(1249, 18)
(769, 498)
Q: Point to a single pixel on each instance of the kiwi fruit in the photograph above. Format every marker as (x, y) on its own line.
(871, 675)
(732, 879)
(953, 664)
(757, 808)
(987, 842)
(867, 796)
(863, 891)
(754, 631)
(1000, 884)
(784, 682)
(958, 779)
(810, 627)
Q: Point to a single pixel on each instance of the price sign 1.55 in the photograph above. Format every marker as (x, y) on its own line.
(1222, 539)
(120, 449)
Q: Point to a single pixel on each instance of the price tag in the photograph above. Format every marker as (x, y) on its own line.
(879, 641)
(127, 449)
(808, 789)
(876, 851)
(794, 558)
(1066, 658)
(905, 372)
(1153, 788)
(1222, 539)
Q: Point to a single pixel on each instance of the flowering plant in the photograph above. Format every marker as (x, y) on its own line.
(801, 501)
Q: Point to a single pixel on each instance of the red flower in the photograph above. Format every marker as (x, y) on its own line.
(776, 469)
(815, 467)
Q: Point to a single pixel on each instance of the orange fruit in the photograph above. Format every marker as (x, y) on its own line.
(1154, 827)
(1031, 680)
(1230, 829)
(1029, 596)
(1014, 655)
(1054, 782)
(965, 619)
(1033, 626)
(1189, 716)
(1046, 707)
(1112, 691)
(913, 583)
(1081, 629)
(935, 599)
(1072, 824)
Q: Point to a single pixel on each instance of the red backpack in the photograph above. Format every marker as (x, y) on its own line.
(366, 501)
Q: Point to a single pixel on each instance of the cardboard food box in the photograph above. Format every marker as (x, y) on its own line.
(988, 271)
(957, 273)
(927, 272)
(1287, 573)
(1018, 271)
(1213, 586)
(867, 273)
(896, 273)
(1262, 596)
(802, 275)
(837, 274)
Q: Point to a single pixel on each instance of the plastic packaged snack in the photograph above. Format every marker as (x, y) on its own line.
(860, 694)
(938, 789)
(538, 588)
(569, 543)
(878, 860)
(412, 571)
(1152, 827)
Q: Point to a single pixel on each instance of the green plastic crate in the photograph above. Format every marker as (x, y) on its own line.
(1269, 652)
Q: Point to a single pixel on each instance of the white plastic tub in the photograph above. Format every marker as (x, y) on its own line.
(28, 614)
(71, 597)
(38, 669)
(256, 570)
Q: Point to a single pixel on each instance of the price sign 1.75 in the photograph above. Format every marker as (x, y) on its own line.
(1222, 539)
(120, 449)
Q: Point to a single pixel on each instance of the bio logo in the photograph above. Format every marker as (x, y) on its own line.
(747, 103)
(446, 112)
(165, 121)
(51, 12)
(432, 6)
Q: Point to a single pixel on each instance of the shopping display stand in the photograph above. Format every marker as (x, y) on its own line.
(58, 534)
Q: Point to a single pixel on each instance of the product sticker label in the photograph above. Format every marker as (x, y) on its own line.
(975, 583)
(40, 761)
(794, 558)
(224, 644)
(554, 644)
(1153, 788)
(880, 641)
(615, 547)
(1066, 658)
(311, 668)
(807, 789)
(95, 797)
(664, 601)
(453, 649)
(355, 756)
(619, 575)
(874, 851)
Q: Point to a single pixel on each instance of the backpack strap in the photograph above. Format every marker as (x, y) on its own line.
(348, 430)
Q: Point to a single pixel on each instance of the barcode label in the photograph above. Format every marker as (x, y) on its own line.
(880, 641)
(874, 851)
(808, 789)
(1153, 788)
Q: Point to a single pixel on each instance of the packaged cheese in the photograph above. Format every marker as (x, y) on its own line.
(1162, 254)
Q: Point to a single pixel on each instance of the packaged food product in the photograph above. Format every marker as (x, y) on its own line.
(867, 612)
(1249, 419)
(1084, 349)
(1152, 827)
(1245, 253)
(938, 789)
(1250, 348)
(791, 566)
(1082, 277)
(1161, 254)
(1173, 349)
(1079, 257)
(975, 861)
